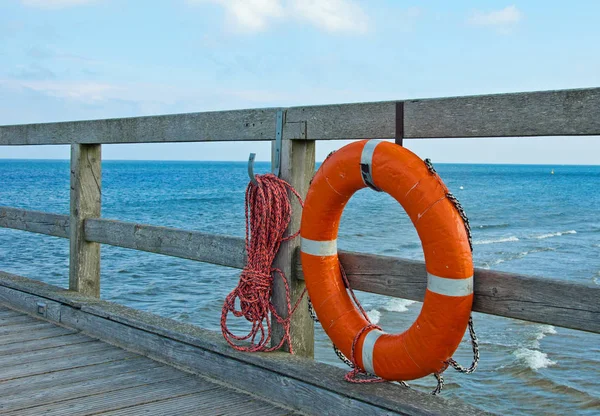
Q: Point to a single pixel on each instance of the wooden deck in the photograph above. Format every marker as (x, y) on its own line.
(51, 370)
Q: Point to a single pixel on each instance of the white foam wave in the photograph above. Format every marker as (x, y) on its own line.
(374, 316)
(533, 359)
(398, 305)
(557, 234)
(543, 330)
(498, 240)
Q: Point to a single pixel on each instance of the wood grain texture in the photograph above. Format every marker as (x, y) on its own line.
(297, 168)
(237, 125)
(298, 382)
(122, 398)
(546, 113)
(75, 375)
(194, 245)
(61, 363)
(35, 221)
(107, 382)
(86, 195)
(35, 345)
(535, 299)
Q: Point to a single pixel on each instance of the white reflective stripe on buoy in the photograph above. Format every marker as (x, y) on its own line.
(367, 350)
(366, 158)
(449, 287)
(319, 248)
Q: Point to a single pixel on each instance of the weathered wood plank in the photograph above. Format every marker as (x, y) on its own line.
(54, 352)
(108, 382)
(297, 168)
(194, 245)
(237, 125)
(75, 375)
(35, 335)
(35, 345)
(86, 194)
(213, 402)
(9, 330)
(16, 320)
(124, 397)
(555, 302)
(63, 363)
(35, 221)
(546, 113)
(299, 382)
(9, 313)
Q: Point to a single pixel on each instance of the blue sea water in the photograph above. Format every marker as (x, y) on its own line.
(524, 220)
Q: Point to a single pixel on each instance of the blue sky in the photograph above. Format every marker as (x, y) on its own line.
(87, 59)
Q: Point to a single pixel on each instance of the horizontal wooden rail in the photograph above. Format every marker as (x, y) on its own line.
(35, 221)
(216, 249)
(536, 299)
(547, 113)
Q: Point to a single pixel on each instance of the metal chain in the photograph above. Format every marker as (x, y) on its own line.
(475, 345)
(312, 312)
(430, 166)
(463, 215)
(440, 384)
(472, 334)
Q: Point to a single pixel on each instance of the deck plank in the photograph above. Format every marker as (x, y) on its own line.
(37, 334)
(25, 327)
(82, 360)
(101, 384)
(213, 402)
(36, 345)
(51, 370)
(75, 375)
(16, 320)
(52, 353)
(124, 397)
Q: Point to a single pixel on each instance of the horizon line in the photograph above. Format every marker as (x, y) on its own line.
(268, 161)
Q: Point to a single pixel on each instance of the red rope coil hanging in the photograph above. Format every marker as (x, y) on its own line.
(268, 213)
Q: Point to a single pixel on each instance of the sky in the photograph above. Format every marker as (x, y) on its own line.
(89, 59)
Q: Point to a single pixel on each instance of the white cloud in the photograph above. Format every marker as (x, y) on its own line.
(332, 15)
(257, 15)
(248, 15)
(500, 19)
(54, 4)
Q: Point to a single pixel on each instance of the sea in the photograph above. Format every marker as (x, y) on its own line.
(525, 219)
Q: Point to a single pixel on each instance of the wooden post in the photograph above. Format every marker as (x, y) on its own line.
(86, 191)
(297, 168)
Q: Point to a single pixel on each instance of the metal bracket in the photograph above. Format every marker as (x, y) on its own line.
(278, 138)
(277, 150)
(41, 309)
(399, 122)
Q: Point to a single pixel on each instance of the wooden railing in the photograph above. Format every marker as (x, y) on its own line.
(553, 113)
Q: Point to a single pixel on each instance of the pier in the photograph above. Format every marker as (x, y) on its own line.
(169, 366)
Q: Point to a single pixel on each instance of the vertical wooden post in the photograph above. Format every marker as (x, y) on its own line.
(297, 168)
(86, 192)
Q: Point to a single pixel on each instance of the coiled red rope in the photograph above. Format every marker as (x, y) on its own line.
(268, 213)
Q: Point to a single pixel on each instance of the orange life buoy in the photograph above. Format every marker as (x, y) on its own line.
(426, 346)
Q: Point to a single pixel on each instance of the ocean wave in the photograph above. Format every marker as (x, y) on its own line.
(517, 256)
(542, 331)
(498, 240)
(557, 234)
(486, 226)
(533, 359)
(398, 305)
(374, 316)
